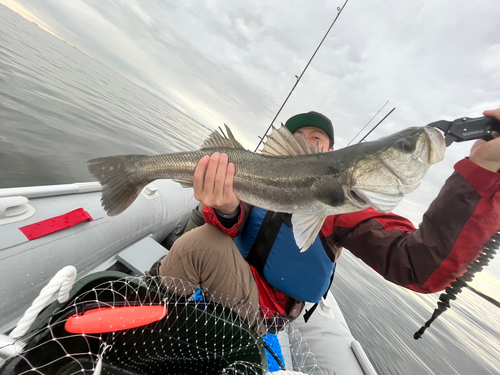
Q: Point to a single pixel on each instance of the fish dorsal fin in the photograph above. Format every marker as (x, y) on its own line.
(282, 143)
(306, 228)
(299, 137)
(220, 140)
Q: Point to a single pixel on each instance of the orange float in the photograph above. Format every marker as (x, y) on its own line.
(112, 319)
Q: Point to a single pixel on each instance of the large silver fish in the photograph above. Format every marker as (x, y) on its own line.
(289, 176)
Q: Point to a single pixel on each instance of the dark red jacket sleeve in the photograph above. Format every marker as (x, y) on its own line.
(454, 230)
(211, 218)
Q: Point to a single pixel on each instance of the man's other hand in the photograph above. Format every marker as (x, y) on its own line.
(487, 154)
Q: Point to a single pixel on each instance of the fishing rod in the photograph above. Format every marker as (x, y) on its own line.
(339, 11)
(484, 296)
(376, 114)
(387, 115)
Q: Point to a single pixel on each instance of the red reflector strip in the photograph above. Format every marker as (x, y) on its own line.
(54, 224)
(112, 319)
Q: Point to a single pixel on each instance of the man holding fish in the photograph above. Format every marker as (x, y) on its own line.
(292, 210)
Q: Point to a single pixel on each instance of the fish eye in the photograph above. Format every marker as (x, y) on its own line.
(406, 146)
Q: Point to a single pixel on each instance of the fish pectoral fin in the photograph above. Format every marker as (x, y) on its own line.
(328, 190)
(306, 229)
(218, 140)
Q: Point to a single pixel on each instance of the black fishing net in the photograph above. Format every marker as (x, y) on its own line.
(128, 325)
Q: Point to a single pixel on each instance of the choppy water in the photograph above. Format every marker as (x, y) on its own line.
(59, 108)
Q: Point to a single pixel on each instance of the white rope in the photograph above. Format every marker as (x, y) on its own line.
(286, 372)
(98, 367)
(62, 281)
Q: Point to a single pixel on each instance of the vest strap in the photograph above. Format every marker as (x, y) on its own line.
(265, 238)
(309, 312)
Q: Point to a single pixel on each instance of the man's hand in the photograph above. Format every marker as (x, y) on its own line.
(487, 154)
(213, 183)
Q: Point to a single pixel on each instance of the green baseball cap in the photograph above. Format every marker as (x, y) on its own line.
(310, 119)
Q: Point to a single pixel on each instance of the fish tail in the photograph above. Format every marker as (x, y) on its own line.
(120, 181)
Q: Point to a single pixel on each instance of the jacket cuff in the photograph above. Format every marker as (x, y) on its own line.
(485, 182)
(212, 218)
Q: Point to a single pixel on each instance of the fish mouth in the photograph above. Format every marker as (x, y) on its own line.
(381, 202)
(436, 148)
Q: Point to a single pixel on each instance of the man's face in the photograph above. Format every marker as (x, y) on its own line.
(315, 136)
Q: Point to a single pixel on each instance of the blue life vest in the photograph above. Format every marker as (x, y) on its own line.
(305, 276)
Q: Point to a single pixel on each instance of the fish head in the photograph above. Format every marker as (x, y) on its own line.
(394, 166)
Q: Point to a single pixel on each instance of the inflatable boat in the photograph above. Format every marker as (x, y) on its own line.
(75, 297)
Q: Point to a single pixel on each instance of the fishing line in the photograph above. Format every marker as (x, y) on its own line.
(376, 114)
(339, 10)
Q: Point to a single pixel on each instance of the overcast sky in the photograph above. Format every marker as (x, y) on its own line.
(235, 62)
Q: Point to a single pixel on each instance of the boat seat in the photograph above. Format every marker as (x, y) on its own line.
(140, 256)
